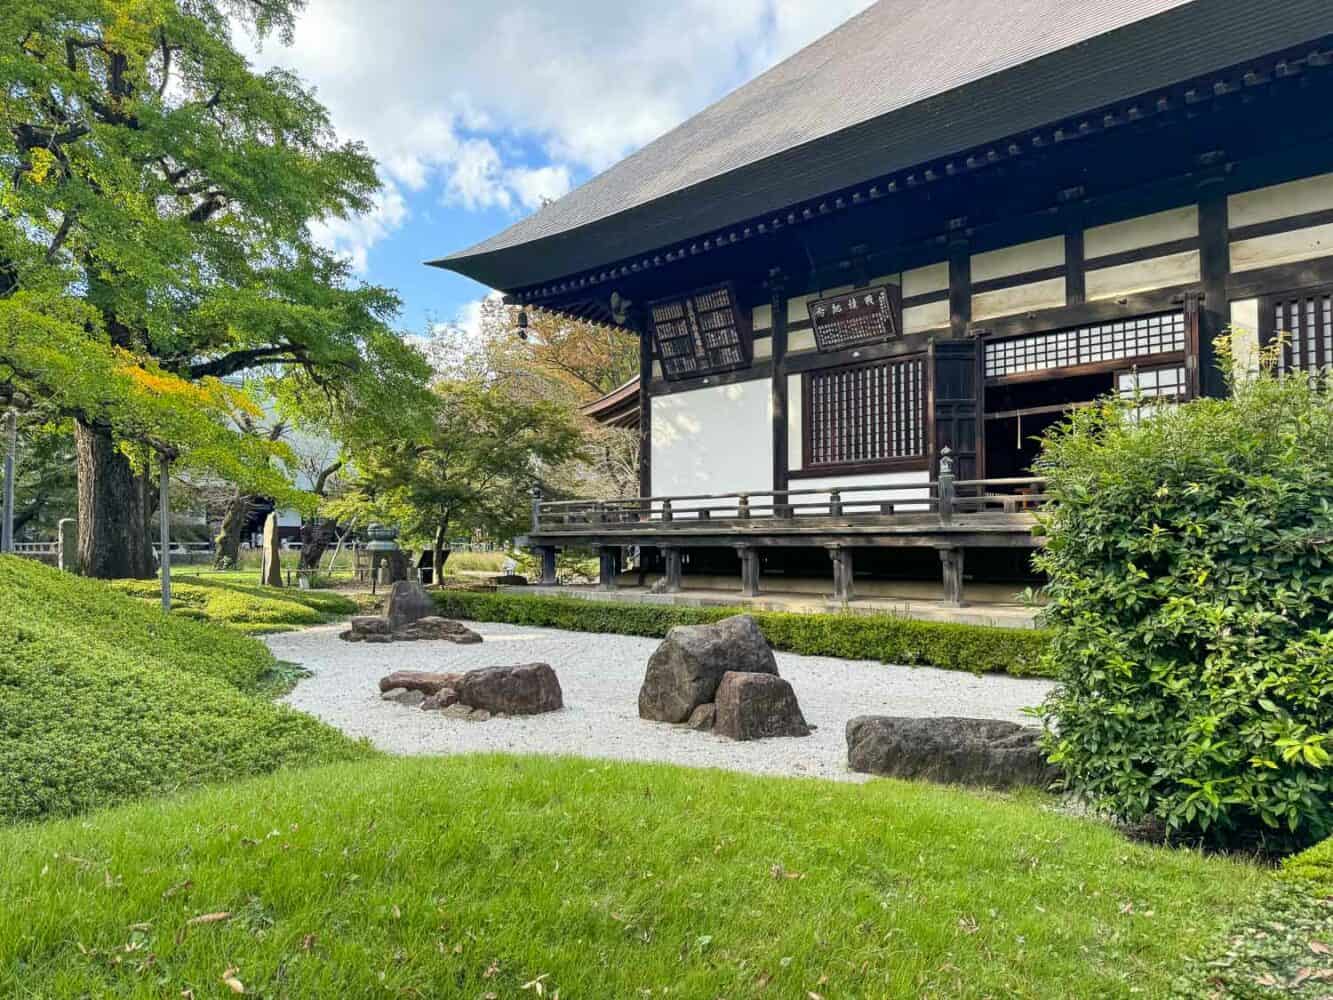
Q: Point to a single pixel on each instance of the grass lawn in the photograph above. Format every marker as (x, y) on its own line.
(474, 876)
(103, 698)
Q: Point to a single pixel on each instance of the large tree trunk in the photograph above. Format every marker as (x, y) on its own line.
(317, 534)
(113, 510)
(227, 542)
(439, 553)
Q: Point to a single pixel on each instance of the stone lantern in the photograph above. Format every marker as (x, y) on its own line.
(382, 542)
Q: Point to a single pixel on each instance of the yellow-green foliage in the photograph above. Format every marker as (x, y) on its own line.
(887, 638)
(1316, 864)
(249, 607)
(103, 698)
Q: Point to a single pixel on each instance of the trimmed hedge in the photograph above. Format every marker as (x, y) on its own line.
(247, 607)
(1316, 865)
(103, 699)
(887, 638)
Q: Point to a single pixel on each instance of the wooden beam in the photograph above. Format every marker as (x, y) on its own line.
(1076, 292)
(1215, 268)
(645, 405)
(778, 393)
(960, 286)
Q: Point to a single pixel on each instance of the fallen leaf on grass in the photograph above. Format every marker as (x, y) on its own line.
(537, 985)
(232, 983)
(1319, 948)
(779, 872)
(308, 942)
(185, 886)
(208, 918)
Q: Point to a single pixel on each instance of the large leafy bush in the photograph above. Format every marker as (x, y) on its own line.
(1191, 579)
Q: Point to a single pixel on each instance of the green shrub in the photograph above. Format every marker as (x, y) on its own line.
(104, 698)
(887, 638)
(247, 606)
(1315, 865)
(1191, 593)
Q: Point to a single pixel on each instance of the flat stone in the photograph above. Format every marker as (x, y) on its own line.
(411, 699)
(685, 670)
(703, 717)
(370, 625)
(440, 700)
(527, 689)
(479, 715)
(419, 680)
(457, 711)
(754, 706)
(434, 627)
(986, 753)
(408, 602)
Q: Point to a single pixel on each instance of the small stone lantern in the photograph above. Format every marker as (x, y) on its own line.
(383, 540)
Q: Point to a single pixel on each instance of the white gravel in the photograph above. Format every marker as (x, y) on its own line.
(600, 677)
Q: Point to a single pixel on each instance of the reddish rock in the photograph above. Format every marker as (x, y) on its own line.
(419, 680)
(527, 689)
(440, 700)
(685, 669)
(756, 706)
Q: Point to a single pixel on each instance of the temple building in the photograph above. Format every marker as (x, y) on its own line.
(865, 282)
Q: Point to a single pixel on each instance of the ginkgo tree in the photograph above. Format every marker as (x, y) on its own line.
(156, 196)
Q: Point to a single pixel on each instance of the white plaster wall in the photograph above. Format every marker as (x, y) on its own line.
(931, 316)
(1019, 299)
(713, 440)
(795, 416)
(1310, 194)
(1032, 256)
(1142, 276)
(1245, 336)
(870, 499)
(1144, 231)
(924, 280)
(1282, 248)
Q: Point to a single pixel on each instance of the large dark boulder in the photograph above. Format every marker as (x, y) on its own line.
(687, 667)
(408, 602)
(757, 706)
(984, 752)
(528, 689)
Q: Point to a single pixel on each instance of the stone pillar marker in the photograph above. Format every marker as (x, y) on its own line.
(271, 566)
(67, 546)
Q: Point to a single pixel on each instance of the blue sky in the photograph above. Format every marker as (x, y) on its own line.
(476, 111)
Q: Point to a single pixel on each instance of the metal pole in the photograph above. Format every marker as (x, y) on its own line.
(164, 517)
(7, 516)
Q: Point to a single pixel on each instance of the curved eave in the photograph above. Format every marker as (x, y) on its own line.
(1155, 53)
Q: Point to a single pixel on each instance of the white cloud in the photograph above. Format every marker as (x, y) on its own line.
(352, 238)
(502, 104)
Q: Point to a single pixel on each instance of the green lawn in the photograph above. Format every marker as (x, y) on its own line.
(474, 876)
(103, 698)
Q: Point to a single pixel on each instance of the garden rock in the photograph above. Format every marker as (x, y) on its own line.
(434, 627)
(983, 752)
(408, 602)
(527, 689)
(703, 717)
(403, 696)
(419, 680)
(754, 706)
(685, 670)
(440, 700)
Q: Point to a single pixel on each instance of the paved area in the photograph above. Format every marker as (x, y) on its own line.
(600, 676)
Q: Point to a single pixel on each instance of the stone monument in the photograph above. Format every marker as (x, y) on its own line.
(271, 567)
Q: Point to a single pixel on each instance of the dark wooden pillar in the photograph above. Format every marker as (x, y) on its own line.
(606, 567)
(640, 325)
(951, 561)
(844, 589)
(673, 573)
(749, 570)
(1215, 268)
(547, 553)
(960, 280)
(1076, 285)
(777, 295)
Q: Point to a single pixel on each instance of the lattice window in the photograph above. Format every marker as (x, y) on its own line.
(870, 414)
(1306, 327)
(1115, 341)
(1167, 382)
